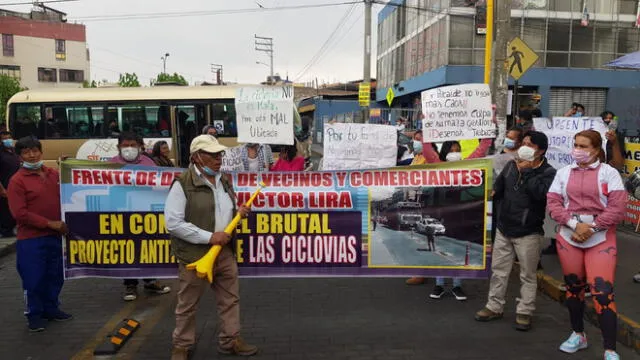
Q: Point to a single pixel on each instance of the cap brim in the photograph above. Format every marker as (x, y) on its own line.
(213, 148)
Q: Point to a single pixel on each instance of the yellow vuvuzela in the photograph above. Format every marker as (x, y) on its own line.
(204, 265)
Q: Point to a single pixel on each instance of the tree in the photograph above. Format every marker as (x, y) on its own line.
(87, 84)
(175, 78)
(129, 80)
(9, 86)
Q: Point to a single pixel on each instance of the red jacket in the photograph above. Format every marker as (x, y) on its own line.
(34, 200)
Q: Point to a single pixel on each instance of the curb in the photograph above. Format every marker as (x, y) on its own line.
(7, 249)
(628, 330)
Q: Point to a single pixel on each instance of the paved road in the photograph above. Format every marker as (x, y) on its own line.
(353, 319)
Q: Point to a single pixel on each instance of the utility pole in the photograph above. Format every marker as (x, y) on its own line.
(265, 44)
(366, 78)
(500, 86)
(217, 70)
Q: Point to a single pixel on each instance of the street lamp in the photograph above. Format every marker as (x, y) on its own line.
(261, 63)
(164, 63)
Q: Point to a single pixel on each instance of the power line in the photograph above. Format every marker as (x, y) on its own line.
(142, 16)
(36, 3)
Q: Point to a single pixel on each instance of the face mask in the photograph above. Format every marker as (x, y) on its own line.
(205, 169)
(32, 166)
(578, 114)
(581, 156)
(454, 156)
(509, 144)
(417, 147)
(130, 153)
(526, 153)
(7, 143)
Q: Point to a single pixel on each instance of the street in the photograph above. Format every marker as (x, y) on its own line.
(296, 319)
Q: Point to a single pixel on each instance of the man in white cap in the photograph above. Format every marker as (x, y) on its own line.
(201, 203)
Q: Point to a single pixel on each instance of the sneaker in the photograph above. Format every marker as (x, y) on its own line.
(459, 294)
(130, 293)
(574, 343)
(485, 315)
(240, 348)
(415, 281)
(58, 315)
(437, 292)
(611, 355)
(636, 278)
(36, 325)
(156, 288)
(523, 322)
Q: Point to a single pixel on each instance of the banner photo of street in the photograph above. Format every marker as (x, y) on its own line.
(303, 224)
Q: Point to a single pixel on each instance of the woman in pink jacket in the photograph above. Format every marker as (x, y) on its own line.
(588, 199)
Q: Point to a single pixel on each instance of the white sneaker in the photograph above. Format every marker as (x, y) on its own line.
(574, 343)
(636, 278)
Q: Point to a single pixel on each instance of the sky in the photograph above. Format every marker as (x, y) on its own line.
(195, 42)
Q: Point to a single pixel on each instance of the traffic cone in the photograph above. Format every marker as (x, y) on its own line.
(466, 256)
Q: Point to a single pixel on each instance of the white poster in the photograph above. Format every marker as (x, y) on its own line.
(232, 160)
(359, 146)
(265, 114)
(561, 131)
(457, 112)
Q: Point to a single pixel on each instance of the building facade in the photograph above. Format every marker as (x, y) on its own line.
(42, 50)
(424, 44)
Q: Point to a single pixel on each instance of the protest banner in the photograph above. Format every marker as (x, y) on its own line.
(265, 114)
(561, 132)
(631, 165)
(457, 112)
(343, 223)
(232, 160)
(359, 146)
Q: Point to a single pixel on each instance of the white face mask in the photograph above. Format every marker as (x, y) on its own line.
(526, 153)
(130, 153)
(454, 156)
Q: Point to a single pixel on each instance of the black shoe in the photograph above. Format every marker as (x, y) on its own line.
(36, 325)
(130, 293)
(58, 315)
(437, 292)
(459, 294)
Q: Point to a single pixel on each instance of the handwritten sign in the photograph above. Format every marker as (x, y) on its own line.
(457, 112)
(359, 146)
(265, 114)
(232, 160)
(561, 131)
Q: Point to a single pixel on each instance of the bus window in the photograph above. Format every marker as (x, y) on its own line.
(25, 120)
(73, 121)
(146, 120)
(224, 119)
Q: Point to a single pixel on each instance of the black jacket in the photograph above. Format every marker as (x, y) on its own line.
(521, 199)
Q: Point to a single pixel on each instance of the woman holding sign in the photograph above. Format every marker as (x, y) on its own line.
(589, 199)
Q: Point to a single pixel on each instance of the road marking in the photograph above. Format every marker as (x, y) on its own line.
(100, 336)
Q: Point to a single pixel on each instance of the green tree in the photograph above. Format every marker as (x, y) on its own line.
(87, 84)
(176, 78)
(129, 80)
(9, 86)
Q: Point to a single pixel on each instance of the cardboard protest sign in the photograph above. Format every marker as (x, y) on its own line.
(265, 115)
(457, 112)
(359, 146)
(232, 160)
(561, 132)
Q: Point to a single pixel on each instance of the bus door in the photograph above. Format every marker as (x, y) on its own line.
(189, 120)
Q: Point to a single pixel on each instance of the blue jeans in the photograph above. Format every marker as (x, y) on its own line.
(39, 263)
(457, 282)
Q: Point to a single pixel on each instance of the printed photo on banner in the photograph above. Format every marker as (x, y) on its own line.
(457, 112)
(302, 223)
(430, 226)
(265, 114)
(359, 146)
(631, 165)
(561, 132)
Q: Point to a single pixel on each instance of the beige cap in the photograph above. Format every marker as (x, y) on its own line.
(206, 143)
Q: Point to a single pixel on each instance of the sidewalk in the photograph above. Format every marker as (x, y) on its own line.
(627, 292)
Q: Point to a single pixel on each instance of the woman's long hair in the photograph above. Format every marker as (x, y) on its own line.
(290, 152)
(596, 141)
(156, 148)
(446, 149)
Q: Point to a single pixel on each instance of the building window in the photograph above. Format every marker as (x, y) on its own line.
(10, 70)
(71, 75)
(61, 50)
(7, 45)
(47, 75)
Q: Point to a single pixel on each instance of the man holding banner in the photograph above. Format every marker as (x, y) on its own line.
(194, 229)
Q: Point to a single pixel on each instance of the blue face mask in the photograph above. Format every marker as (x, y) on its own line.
(417, 147)
(32, 166)
(207, 170)
(578, 114)
(509, 144)
(7, 143)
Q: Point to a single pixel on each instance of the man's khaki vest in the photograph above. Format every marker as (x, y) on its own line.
(200, 211)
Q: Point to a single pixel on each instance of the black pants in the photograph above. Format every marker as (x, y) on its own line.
(7, 223)
(134, 282)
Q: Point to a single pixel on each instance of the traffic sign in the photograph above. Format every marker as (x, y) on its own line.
(364, 94)
(390, 96)
(520, 58)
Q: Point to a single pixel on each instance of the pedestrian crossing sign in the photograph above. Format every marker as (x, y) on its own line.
(390, 96)
(520, 58)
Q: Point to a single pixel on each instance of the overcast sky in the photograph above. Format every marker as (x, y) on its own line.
(194, 42)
